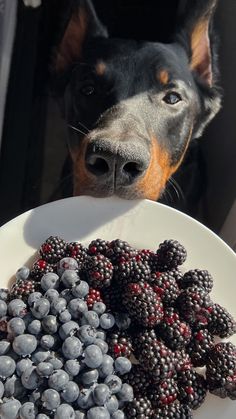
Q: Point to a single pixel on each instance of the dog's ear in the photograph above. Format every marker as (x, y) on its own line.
(82, 24)
(195, 34)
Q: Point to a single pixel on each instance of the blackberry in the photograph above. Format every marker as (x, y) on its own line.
(53, 249)
(41, 267)
(221, 370)
(165, 286)
(165, 393)
(153, 355)
(119, 250)
(112, 297)
(221, 323)
(94, 296)
(194, 305)
(139, 408)
(139, 379)
(143, 304)
(171, 254)
(199, 278)
(98, 246)
(119, 344)
(173, 411)
(149, 257)
(99, 271)
(199, 347)
(132, 270)
(177, 274)
(22, 289)
(175, 333)
(192, 388)
(78, 252)
(182, 361)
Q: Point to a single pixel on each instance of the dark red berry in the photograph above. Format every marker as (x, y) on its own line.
(165, 286)
(199, 346)
(53, 249)
(41, 267)
(174, 331)
(21, 289)
(221, 323)
(119, 344)
(171, 254)
(198, 278)
(98, 246)
(78, 252)
(99, 271)
(192, 388)
(94, 296)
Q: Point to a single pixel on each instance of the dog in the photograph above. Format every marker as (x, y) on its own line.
(133, 108)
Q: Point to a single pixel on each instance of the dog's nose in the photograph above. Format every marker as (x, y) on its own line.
(124, 162)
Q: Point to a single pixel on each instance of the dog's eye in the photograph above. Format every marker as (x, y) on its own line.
(172, 98)
(87, 90)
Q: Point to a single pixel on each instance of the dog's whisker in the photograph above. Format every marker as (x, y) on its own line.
(84, 126)
(76, 129)
(177, 188)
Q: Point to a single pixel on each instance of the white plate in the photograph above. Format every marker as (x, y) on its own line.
(144, 224)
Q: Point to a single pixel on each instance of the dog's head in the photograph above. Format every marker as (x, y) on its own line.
(133, 107)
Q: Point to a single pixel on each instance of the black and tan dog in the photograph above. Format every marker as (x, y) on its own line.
(132, 108)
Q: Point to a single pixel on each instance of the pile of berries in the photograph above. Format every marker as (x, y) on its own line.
(72, 325)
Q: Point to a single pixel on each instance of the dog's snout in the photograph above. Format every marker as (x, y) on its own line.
(122, 163)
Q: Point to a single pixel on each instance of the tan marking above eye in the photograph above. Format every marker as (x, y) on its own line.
(163, 76)
(100, 68)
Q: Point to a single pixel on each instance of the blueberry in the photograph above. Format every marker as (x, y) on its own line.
(4, 294)
(4, 346)
(72, 348)
(107, 366)
(66, 263)
(68, 329)
(66, 294)
(101, 334)
(80, 290)
(71, 392)
(91, 318)
(40, 355)
(89, 377)
(27, 411)
(79, 414)
(49, 324)
(50, 281)
(99, 308)
(47, 341)
(107, 321)
(30, 379)
(98, 413)
(65, 316)
(112, 404)
(34, 327)
(126, 393)
(42, 416)
(56, 362)
(14, 387)
(51, 399)
(72, 367)
(24, 344)
(58, 306)
(58, 380)
(3, 308)
(93, 356)
(9, 409)
(16, 326)
(123, 321)
(35, 396)
(87, 334)
(77, 307)
(85, 399)
(101, 394)
(7, 366)
(102, 345)
(44, 369)
(33, 298)
(40, 308)
(17, 308)
(122, 365)
(51, 295)
(70, 278)
(1, 389)
(22, 273)
(114, 383)
(22, 365)
(119, 414)
(65, 411)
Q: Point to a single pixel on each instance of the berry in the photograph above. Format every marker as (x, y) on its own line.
(40, 308)
(171, 254)
(147, 256)
(80, 290)
(10, 408)
(143, 304)
(98, 413)
(23, 288)
(139, 379)
(87, 334)
(131, 270)
(177, 274)
(89, 377)
(192, 388)
(112, 297)
(78, 252)
(101, 394)
(72, 348)
(126, 393)
(64, 411)
(182, 361)
(175, 333)
(93, 356)
(165, 393)
(24, 344)
(98, 246)
(7, 366)
(40, 268)
(53, 249)
(165, 286)
(221, 323)
(93, 296)
(107, 321)
(50, 281)
(118, 249)
(58, 380)
(122, 365)
(22, 273)
(199, 347)
(71, 392)
(99, 271)
(194, 305)
(4, 294)
(50, 399)
(173, 411)
(119, 344)
(114, 383)
(106, 368)
(140, 407)
(198, 278)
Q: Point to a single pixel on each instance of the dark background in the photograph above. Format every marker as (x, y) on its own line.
(33, 143)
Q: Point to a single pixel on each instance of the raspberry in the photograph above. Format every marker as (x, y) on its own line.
(175, 333)
(132, 270)
(94, 296)
(221, 370)
(199, 347)
(171, 254)
(53, 249)
(78, 252)
(194, 305)
(99, 271)
(22, 289)
(139, 379)
(192, 388)
(221, 323)
(143, 304)
(165, 286)
(199, 278)
(119, 344)
(153, 355)
(98, 246)
(140, 407)
(165, 393)
(173, 411)
(40, 267)
(118, 249)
